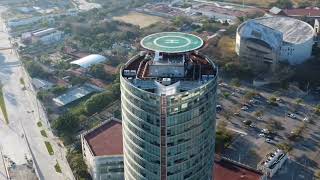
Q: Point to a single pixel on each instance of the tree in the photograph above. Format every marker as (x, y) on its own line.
(282, 4)
(304, 4)
(235, 82)
(77, 164)
(97, 102)
(66, 125)
(98, 71)
(35, 70)
(317, 111)
(181, 20)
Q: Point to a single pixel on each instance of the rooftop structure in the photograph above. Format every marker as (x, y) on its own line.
(273, 39)
(41, 84)
(43, 32)
(106, 139)
(171, 42)
(168, 85)
(293, 31)
(228, 170)
(75, 94)
(90, 60)
(273, 162)
(297, 12)
(103, 150)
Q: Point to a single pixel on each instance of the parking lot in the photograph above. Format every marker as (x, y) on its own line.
(268, 117)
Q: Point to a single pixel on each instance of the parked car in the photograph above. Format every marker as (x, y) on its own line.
(247, 122)
(244, 108)
(306, 119)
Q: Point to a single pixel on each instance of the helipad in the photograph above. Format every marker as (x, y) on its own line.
(171, 42)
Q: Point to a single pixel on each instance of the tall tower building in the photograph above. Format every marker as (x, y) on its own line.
(168, 96)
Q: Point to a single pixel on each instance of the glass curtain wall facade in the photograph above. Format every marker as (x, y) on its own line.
(180, 127)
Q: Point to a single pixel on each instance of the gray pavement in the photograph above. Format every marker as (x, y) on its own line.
(22, 129)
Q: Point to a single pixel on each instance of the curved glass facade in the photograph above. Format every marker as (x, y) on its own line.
(189, 132)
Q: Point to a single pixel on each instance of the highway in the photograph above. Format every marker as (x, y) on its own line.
(21, 137)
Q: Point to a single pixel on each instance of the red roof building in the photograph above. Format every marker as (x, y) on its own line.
(105, 142)
(228, 170)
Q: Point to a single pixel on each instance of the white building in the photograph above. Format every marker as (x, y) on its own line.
(90, 60)
(102, 151)
(273, 162)
(47, 36)
(273, 39)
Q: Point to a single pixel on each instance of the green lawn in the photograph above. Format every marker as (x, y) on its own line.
(3, 106)
(43, 133)
(57, 167)
(49, 147)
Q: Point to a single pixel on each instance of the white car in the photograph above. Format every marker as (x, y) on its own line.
(292, 116)
(268, 140)
(261, 135)
(260, 118)
(306, 119)
(266, 131)
(244, 108)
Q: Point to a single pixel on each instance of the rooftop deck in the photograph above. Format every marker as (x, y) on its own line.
(106, 139)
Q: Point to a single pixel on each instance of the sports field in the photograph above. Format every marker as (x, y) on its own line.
(139, 19)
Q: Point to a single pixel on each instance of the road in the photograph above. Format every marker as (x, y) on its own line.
(21, 137)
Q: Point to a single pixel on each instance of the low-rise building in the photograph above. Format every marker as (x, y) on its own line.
(45, 36)
(89, 60)
(40, 84)
(103, 151)
(273, 162)
(75, 94)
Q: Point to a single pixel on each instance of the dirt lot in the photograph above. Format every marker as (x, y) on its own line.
(139, 19)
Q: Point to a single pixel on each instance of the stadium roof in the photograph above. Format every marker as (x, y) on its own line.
(294, 31)
(171, 42)
(90, 60)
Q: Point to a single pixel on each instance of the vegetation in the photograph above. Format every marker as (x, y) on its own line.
(317, 110)
(282, 4)
(235, 82)
(57, 168)
(49, 147)
(274, 125)
(250, 94)
(223, 137)
(39, 124)
(98, 71)
(22, 81)
(43, 133)
(296, 133)
(285, 147)
(226, 94)
(35, 70)
(77, 164)
(258, 113)
(273, 101)
(70, 123)
(3, 106)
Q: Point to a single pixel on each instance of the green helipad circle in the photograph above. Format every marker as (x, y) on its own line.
(171, 42)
